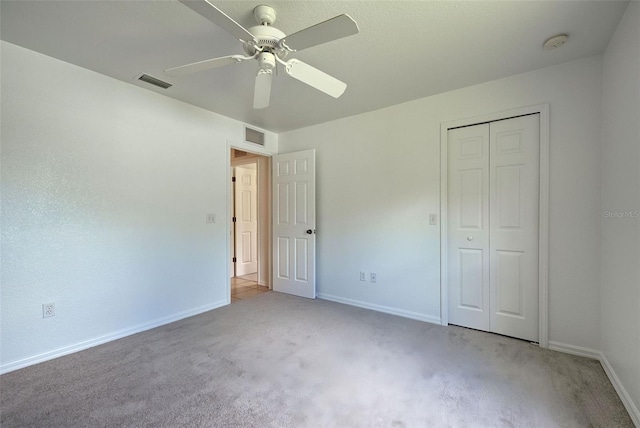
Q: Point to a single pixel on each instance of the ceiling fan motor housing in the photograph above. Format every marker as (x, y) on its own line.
(268, 38)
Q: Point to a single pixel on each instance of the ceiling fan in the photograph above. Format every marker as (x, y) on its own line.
(270, 46)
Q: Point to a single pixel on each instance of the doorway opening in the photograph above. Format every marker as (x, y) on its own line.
(251, 225)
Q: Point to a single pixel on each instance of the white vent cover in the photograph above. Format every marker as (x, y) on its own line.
(253, 136)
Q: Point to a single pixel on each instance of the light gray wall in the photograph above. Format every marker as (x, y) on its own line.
(621, 205)
(378, 179)
(105, 189)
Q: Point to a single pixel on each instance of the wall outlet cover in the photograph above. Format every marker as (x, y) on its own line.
(48, 310)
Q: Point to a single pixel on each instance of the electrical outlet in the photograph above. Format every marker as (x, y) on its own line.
(211, 217)
(374, 278)
(48, 310)
(363, 276)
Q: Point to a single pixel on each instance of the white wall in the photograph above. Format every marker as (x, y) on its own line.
(378, 178)
(620, 195)
(105, 188)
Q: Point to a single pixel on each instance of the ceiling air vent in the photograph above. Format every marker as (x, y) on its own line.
(253, 136)
(157, 82)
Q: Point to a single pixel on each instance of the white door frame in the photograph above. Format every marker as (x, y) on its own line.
(543, 260)
(245, 148)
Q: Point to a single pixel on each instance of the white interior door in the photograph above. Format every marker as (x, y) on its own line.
(294, 223)
(493, 210)
(246, 214)
(468, 227)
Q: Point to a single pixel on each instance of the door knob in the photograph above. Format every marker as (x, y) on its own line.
(309, 232)
(469, 238)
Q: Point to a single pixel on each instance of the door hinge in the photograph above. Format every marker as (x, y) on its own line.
(233, 179)
(233, 219)
(234, 260)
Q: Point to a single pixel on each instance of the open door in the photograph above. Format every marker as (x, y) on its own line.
(294, 223)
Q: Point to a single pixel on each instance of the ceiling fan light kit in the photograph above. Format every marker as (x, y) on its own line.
(267, 61)
(270, 46)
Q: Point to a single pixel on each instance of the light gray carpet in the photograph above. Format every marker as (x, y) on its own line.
(282, 361)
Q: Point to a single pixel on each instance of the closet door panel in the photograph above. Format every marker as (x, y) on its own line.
(468, 226)
(514, 206)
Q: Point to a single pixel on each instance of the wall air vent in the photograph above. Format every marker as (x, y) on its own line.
(152, 80)
(253, 136)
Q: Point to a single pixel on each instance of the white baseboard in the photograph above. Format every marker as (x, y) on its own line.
(80, 346)
(380, 308)
(620, 389)
(628, 403)
(594, 354)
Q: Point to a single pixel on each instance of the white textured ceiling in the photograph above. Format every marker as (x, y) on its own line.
(405, 49)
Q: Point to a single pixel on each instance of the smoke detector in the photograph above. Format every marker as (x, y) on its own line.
(555, 42)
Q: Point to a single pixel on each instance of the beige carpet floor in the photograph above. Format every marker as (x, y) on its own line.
(281, 361)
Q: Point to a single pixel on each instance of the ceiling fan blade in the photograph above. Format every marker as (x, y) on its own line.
(262, 90)
(207, 64)
(315, 78)
(327, 31)
(218, 17)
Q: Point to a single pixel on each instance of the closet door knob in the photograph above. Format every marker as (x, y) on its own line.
(469, 238)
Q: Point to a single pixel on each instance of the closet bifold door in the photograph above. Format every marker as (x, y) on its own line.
(468, 227)
(493, 209)
(514, 180)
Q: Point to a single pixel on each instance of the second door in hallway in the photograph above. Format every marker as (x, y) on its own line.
(246, 219)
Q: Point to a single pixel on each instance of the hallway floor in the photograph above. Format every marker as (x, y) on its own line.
(245, 287)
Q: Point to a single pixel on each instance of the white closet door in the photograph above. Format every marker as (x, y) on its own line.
(468, 227)
(493, 208)
(514, 209)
